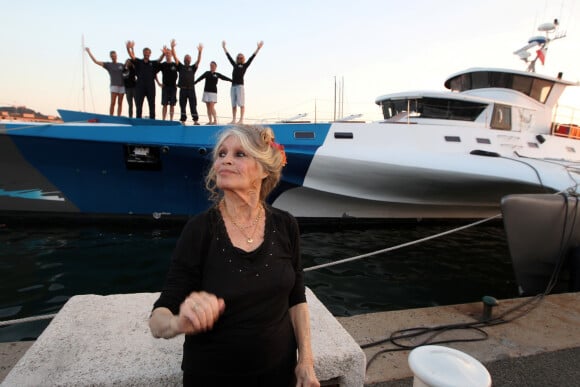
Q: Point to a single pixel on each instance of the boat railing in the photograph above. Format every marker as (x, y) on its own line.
(565, 122)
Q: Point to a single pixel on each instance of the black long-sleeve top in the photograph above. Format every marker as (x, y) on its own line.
(239, 69)
(255, 331)
(211, 80)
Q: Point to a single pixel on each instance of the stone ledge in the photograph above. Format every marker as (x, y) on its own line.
(105, 340)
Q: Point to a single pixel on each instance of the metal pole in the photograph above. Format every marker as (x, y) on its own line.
(83, 64)
(315, 111)
(342, 98)
(334, 119)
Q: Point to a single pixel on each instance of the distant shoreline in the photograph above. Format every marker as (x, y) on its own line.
(22, 113)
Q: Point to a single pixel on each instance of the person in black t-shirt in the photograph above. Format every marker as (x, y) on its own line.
(235, 285)
(145, 70)
(237, 92)
(168, 85)
(186, 83)
(210, 90)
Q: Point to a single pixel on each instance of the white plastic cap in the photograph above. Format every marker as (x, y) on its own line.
(438, 366)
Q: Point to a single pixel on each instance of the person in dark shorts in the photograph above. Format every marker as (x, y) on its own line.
(145, 70)
(168, 84)
(117, 86)
(235, 286)
(187, 83)
(237, 92)
(210, 90)
(130, 80)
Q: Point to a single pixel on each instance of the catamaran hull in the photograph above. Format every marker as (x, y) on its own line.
(333, 171)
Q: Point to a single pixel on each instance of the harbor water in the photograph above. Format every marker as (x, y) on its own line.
(42, 266)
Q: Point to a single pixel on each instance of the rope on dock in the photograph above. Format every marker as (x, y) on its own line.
(27, 319)
(417, 241)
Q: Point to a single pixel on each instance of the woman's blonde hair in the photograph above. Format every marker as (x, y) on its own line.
(258, 142)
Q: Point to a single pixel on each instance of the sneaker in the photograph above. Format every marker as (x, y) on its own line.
(196, 123)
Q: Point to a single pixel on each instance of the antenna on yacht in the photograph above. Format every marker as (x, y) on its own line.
(541, 42)
(338, 104)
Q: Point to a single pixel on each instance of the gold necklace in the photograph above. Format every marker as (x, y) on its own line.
(249, 238)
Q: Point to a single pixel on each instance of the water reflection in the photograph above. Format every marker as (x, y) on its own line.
(42, 267)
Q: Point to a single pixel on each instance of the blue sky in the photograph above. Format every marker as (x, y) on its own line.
(377, 47)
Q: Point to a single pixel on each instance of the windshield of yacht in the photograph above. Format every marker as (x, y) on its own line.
(438, 108)
(536, 88)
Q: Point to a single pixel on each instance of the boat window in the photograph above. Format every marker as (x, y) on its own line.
(541, 90)
(304, 135)
(522, 84)
(438, 108)
(502, 117)
(460, 83)
(538, 89)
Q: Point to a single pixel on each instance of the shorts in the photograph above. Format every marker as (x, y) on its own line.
(168, 95)
(237, 94)
(117, 89)
(209, 96)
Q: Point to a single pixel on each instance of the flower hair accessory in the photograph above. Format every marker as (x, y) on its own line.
(280, 148)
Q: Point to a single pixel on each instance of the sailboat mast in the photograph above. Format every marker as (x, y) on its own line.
(84, 71)
(342, 98)
(334, 119)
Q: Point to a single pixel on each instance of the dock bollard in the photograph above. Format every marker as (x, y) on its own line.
(488, 304)
(438, 366)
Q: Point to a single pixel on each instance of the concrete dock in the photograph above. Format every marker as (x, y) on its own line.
(541, 348)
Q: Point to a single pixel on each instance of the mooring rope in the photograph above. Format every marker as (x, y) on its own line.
(417, 241)
(27, 319)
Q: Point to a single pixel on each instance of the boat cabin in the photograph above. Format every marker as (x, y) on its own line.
(497, 99)
(529, 84)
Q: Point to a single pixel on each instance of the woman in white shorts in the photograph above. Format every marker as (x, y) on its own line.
(210, 91)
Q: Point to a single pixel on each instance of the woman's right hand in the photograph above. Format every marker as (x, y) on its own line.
(199, 312)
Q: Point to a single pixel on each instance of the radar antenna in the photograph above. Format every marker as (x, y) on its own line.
(540, 44)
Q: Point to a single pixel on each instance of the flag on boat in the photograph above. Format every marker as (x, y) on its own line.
(542, 54)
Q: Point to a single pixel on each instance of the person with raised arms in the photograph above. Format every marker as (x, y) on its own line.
(117, 86)
(239, 70)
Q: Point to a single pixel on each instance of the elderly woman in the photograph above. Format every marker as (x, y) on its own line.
(235, 286)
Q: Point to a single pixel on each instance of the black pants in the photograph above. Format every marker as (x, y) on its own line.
(142, 91)
(184, 96)
(130, 96)
(282, 376)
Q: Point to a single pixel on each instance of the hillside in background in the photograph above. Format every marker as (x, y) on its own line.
(22, 113)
